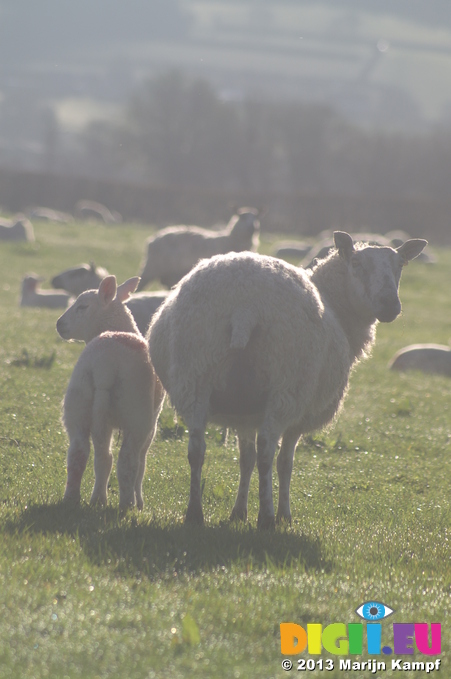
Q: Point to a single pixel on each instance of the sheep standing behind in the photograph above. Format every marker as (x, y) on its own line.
(428, 358)
(173, 252)
(18, 229)
(143, 305)
(79, 278)
(252, 342)
(113, 386)
(32, 295)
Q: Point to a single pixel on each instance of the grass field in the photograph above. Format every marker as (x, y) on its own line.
(89, 593)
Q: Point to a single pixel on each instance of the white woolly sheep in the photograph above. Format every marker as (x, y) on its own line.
(143, 305)
(32, 295)
(429, 358)
(173, 252)
(113, 386)
(79, 278)
(47, 214)
(91, 209)
(18, 229)
(252, 342)
(295, 250)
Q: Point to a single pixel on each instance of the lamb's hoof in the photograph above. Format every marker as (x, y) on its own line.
(238, 515)
(194, 515)
(71, 498)
(266, 522)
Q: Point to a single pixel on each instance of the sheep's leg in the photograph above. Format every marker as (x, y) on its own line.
(196, 455)
(266, 448)
(77, 457)
(101, 432)
(248, 456)
(284, 469)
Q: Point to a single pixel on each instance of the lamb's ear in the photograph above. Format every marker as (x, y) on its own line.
(92, 266)
(411, 249)
(107, 289)
(125, 290)
(344, 244)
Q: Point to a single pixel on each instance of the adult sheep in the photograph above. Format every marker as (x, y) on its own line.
(113, 386)
(252, 342)
(173, 252)
(79, 278)
(18, 229)
(428, 358)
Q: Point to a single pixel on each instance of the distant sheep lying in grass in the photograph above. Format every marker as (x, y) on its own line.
(173, 252)
(113, 386)
(79, 278)
(91, 209)
(32, 295)
(48, 215)
(18, 229)
(254, 343)
(429, 358)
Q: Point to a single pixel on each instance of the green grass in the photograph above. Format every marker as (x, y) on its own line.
(90, 593)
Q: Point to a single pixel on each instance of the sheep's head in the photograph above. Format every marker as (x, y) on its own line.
(375, 272)
(79, 278)
(96, 311)
(244, 228)
(30, 282)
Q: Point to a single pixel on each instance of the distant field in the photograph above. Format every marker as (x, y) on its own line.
(88, 593)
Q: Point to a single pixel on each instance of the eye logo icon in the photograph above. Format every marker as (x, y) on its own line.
(374, 611)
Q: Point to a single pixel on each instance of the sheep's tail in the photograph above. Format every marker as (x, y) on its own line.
(243, 324)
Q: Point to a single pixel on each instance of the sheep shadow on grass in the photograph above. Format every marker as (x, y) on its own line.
(133, 545)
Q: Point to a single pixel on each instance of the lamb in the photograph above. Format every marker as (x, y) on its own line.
(32, 295)
(18, 229)
(173, 251)
(429, 358)
(113, 386)
(252, 342)
(79, 278)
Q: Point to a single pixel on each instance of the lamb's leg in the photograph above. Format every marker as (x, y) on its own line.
(196, 455)
(129, 466)
(284, 469)
(140, 476)
(77, 457)
(101, 432)
(266, 448)
(248, 456)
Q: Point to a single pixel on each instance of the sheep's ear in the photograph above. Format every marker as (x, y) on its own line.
(107, 289)
(344, 244)
(125, 290)
(411, 249)
(92, 267)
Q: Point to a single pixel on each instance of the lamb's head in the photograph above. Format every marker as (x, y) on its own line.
(30, 283)
(244, 228)
(79, 278)
(374, 273)
(97, 311)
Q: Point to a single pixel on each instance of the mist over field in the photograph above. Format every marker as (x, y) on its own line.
(241, 98)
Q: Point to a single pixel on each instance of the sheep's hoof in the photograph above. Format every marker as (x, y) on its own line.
(238, 514)
(282, 520)
(266, 522)
(98, 502)
(194, 515)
